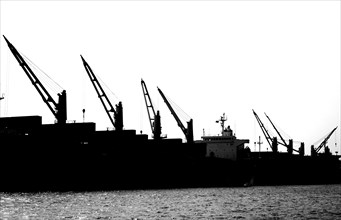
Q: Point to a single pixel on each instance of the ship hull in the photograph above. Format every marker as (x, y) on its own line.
(288, 169)
(76, 157)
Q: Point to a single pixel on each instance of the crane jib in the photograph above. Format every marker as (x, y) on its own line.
(57, 109)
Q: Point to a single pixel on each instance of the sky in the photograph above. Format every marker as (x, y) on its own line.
(281, 58)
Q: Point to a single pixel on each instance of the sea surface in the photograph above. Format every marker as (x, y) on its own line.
(257, 202)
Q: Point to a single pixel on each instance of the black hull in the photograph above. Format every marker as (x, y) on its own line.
(285, 169)
(105, 173)
(75, 157)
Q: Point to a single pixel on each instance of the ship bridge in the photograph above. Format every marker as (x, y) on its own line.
(225, 145)
(226, 135)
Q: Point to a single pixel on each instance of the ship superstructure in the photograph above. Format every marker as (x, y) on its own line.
(226, 145)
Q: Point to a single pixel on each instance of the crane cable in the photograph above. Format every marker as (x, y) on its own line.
(284, 135)
(107, 88)
(44, 77)
(321, 139)
(181, 113)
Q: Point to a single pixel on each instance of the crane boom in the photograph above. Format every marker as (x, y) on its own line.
(117, 120)
(284, 143)
(265, 132)
(324, 142)
(154, 119)
(187, 131)
(57, 109)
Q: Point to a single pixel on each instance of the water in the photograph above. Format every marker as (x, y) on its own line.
(275, 202)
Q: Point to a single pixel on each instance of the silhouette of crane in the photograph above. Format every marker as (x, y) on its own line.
(57, 109)
(188, 132)
(289, 145)
(315, 151)
(117, 118)
(154, 119)
(272, 141)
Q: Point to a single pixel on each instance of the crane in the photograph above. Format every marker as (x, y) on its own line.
(288, 146)
(271, 141)
(117, 119)
(323, 144)
(154, 119)
(57, 109)
(188, 132)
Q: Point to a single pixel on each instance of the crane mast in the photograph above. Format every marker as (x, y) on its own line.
(57, 109)
(154, 119)
(117, 119)
(188, 132)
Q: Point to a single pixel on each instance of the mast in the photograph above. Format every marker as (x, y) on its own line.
(154, 119)
(117, 119)
(57, 109)
(188, 132)
(222, 122)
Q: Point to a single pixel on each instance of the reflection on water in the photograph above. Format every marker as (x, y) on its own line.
(276, 202)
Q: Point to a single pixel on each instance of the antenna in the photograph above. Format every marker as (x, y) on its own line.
(83, 114)
(259, 143)
(222, 122)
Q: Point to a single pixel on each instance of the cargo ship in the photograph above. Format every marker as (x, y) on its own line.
(71, 156)
(76, 156)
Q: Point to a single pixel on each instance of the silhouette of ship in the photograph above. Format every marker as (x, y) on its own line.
(75, 156)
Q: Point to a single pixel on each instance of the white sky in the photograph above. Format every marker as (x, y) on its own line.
(209, 57)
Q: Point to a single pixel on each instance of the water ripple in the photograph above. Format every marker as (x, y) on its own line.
(284, 202)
